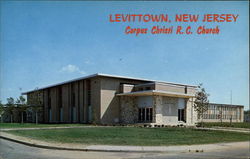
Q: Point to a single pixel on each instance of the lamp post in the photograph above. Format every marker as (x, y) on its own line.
(231, 100)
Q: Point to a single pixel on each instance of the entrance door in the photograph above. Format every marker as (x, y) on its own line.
(181, 109)
(145, 115)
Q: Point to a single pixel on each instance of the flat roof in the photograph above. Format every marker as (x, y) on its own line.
(105, 75)
(231, 105)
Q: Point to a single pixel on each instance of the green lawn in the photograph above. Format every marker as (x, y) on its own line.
(33, 125)
(133, 136)
(236, 125)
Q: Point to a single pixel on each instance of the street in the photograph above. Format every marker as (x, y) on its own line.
(12, 150)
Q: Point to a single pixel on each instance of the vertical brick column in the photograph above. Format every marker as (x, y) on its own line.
(81, 100)
(45, 103)
(85, 102)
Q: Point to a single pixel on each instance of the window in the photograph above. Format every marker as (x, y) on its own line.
(145, 114)
(238, 114)
(181, 115)
(61, 114)
(148, 114)
(73, 114)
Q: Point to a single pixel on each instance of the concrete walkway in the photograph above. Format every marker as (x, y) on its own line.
(111, 148)
(45, 128)
(242, 130)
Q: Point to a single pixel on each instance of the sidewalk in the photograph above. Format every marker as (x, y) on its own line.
(109, 148)
(243, 130)
(44, 128)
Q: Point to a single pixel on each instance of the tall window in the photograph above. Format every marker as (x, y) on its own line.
(181, 115)
(181, 109)
(145, 114)
(238, 113)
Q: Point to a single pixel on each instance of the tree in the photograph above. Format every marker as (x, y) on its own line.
(35, 103)
(220, 115)
(10, 107)
(22, 106)
(1, 110)
(201, 102)
(36, 109)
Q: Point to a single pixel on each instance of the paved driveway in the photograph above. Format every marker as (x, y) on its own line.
(11, 150)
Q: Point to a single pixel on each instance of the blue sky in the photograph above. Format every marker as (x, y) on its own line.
(47, 42)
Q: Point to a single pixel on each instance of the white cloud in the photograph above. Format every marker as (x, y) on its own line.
(71, 69)
(88, 62)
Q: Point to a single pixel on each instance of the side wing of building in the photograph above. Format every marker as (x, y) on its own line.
(224, 113)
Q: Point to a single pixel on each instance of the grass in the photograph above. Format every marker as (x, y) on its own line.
(224, 124)
(133, 136)
(33, 125)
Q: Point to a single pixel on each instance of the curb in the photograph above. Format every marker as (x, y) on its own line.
(76, 149)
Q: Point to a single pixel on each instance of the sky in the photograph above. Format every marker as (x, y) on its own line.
(44, 43)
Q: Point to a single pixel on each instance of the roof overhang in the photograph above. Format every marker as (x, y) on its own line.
(157, 92)
(106, 75)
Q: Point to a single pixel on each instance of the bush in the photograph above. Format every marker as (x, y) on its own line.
(224, 124)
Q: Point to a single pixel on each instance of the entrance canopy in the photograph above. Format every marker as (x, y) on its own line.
(156, 92)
